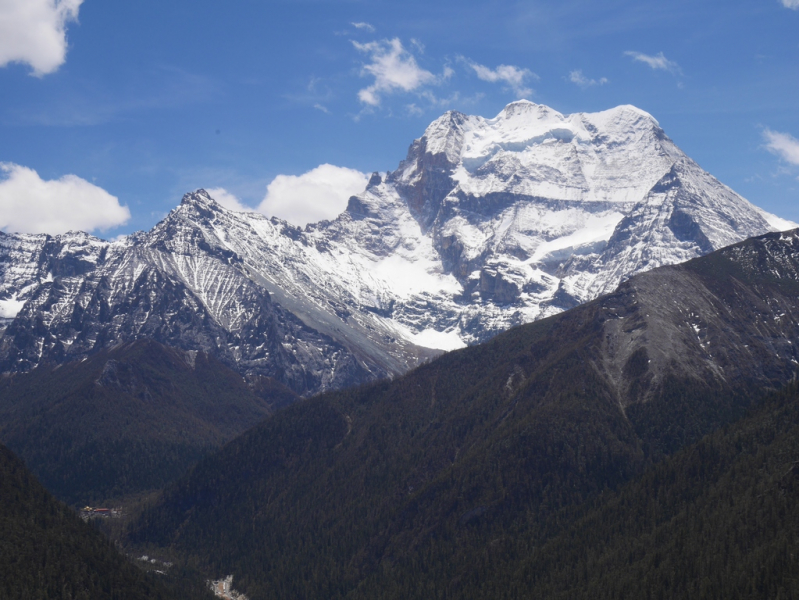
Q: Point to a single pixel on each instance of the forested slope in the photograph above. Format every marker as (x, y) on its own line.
(46, 551)
(128, 419)
(718, 520)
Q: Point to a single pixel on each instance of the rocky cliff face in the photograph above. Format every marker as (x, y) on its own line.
(178, 287)
(486, 224)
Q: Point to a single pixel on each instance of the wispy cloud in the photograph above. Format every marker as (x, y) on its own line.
(30, 204)
(794, 4)
(364, 26)
(783, 145)
(578, 78)
(317, 93)
(33, 32)
(659, 62)
(394, 70)
(514, 77)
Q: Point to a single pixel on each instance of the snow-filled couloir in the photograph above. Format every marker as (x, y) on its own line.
(486, 224)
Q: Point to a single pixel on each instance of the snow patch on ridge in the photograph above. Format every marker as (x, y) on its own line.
(440, 340)
(10, 307)
(406, 278)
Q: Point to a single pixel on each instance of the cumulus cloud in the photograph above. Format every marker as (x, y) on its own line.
(794, 4)
(578, 78)
(365, 26)
(394, 69)
(513, 77)
(34, 32)
(30, 204)
(321, 193)
(228, 200)
(657, 62)
(783, 145)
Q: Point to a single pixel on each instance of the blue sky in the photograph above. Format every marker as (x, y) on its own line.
(111, 111)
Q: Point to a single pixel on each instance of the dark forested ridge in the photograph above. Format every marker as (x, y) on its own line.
(718, 520)
(46, 551)
(128, 419)
(444, 482)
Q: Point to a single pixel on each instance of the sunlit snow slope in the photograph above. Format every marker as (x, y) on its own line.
(486, 224)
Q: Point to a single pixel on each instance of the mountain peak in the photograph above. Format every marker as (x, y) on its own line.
(526, 107)
(199, 197)
(632, 109)
(452, 120)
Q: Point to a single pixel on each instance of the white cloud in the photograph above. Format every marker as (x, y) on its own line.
(783, 145)
(658, 62)
(29, 204)
(394, 69)
(794, 4)
(34, 32)
(578, 78)
(514, 77)
(365, 26)
(321, 193)
(228, 200)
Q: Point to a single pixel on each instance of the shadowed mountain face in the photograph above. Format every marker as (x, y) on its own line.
(128, 419)
(409, 488)
(46, 551)
(486, 224)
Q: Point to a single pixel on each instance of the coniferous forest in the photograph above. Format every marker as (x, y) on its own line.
(47, 552)
(127, 420)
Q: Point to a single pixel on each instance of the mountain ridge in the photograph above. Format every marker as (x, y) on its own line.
(486, 224)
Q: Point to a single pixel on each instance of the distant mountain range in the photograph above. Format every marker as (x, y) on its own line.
(488, 223)
(527, 466)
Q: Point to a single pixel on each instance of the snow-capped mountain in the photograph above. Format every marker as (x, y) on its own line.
(486, 224)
